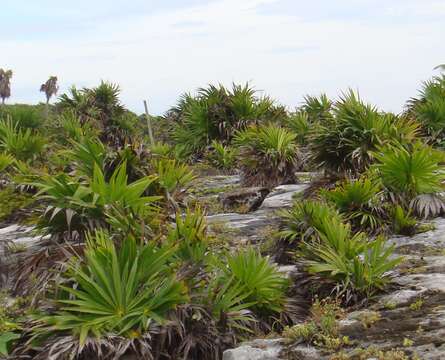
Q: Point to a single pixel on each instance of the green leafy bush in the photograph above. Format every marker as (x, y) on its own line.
(300, 124)
(403, 222)
(216, 113)
(413, 175)
(24, 116)
(305, 218)
(5, 161)
(359, 201)
(222, 156)
(345, 142)
(318, 108)
(429, 109)
(23, 144)
(358, 266)
(173, 178)
(268, 155)
(116, 291)
(189, 235)
(76, 206)
(265, 285)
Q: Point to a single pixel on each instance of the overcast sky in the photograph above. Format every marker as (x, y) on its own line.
(160, 49)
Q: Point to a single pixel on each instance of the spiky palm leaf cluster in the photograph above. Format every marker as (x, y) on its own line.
(360, 201)
(414, 176)
(429, 109)
(355, 266)
(216, 113)
(101, 107)
(125, 299)
(345, 141)
(268, 155)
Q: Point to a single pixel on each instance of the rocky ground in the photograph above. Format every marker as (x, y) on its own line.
(409, 318)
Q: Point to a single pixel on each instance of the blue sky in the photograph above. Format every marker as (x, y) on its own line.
(288, 48)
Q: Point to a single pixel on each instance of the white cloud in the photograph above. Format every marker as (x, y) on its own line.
(159, 56)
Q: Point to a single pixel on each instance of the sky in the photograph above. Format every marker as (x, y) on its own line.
(157, 50)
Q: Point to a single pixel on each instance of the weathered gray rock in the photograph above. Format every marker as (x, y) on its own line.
(258, 225)
(256, 350)
(247, 199)
(282, 196)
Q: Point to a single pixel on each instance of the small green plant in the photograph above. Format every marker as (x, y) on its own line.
(265, 285)
(117, 291)
(12, 201)
(403, 222)
(77, 206)
(172, 176)
(322, 327)
(357, 265)
(6, 340)
(359, 201)
(369, 318)
(222, 156)
(390, 305)
(409, 172)
(305, 218)
(189, 235)
(23, 144)
(407, 342)
(300, 124)
(417, 305)
(5, 161)
(268, 155)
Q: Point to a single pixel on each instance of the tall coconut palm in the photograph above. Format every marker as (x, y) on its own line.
(50, 89)
(5, 84)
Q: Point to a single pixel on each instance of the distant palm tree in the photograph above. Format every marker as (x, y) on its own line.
(5, 84)
(440, 67)
(50, 89)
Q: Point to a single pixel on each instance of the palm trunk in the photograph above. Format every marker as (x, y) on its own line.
(47, 108)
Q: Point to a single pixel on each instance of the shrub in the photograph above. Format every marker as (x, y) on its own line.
(24, 116)
(299, 123)
(265, 285)
(410, 174)
(173, 178)
(189, 235)
(268, 155)
(22, 144)
(318, 108)
(322, 327)
(359, 201)
(86, 155)
(345, 142)
(216, 113)
(5, 161)
(116, 292)
(403, 222)
(76, 207)
(429, 109)
(222, 156)
(101, 108)
(72, 129)
(358, 266)
(305, 218)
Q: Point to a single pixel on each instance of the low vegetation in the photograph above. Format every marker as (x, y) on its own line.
(128, 265)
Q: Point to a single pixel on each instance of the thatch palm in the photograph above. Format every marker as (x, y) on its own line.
(5, 84)
(50, 89)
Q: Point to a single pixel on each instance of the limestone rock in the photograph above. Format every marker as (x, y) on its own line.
(247, 199)
(255, 350)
